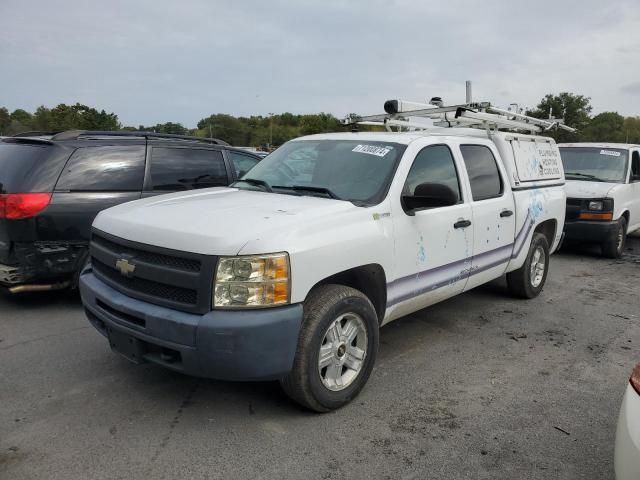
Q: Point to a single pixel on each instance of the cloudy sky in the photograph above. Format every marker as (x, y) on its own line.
(155, 61)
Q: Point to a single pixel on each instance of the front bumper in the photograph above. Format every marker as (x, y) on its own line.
(225, 345)
(627, 450)
(588, 231)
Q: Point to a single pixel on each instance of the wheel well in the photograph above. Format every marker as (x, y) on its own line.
(369, 279)
(548, 229)
(625, 214)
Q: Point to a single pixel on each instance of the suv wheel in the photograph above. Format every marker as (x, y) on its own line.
(528, 280)
(336, 351)
(613, 246)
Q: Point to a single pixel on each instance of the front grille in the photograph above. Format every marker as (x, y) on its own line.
(186, 296)
(574, 207)
(179, 280)
(186, 264)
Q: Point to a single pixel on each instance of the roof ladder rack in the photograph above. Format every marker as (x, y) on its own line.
(405, 116)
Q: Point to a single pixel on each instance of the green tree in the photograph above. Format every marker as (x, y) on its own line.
(41, 119)
(5, 120)
(78, 116)
(605, 127)
(574, 109)
(632, 130)
(170, 127)
(22, 116)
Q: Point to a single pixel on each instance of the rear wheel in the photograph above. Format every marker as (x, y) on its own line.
(336, 351)
(528, 280)
(613, 246)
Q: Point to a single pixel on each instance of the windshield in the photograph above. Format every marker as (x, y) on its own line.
(594, 164)
(357, 171)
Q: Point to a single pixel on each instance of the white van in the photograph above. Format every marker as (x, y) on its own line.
(603, 193)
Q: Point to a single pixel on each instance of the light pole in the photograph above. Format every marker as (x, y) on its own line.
(270, 130)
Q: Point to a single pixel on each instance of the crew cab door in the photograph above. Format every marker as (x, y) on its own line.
(433, 246)
(493, 213)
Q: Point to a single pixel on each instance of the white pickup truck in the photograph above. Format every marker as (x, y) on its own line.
(603, 193)
(289, 273)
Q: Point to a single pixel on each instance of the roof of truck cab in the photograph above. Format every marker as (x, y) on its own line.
(403, 138)
(598, 145)
(408, 137)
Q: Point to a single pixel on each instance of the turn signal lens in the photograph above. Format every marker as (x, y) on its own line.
(595, 216)
(635, 379)
(252, 281)
(16, 206)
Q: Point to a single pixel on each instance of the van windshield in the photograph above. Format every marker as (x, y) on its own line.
(594, 164)
(356, 171)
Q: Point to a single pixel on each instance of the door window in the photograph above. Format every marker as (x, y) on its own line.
(482, 169)
(242, 163)
(433, 164)
(175, 169)
(110, 169)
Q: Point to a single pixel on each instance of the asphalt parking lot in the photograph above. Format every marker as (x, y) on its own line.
(480, 386)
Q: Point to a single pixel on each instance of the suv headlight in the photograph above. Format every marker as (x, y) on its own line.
(252, 281)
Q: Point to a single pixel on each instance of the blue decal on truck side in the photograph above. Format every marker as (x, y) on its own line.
(411, 286)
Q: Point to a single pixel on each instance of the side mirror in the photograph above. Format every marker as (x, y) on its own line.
(430, 195)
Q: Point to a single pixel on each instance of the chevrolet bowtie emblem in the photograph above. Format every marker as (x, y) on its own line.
(125, 267)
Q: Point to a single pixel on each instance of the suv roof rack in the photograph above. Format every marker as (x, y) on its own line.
(77, 134)
(34, 133)
(471, 114)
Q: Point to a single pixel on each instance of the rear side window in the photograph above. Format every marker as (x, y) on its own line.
(242, 163)
(483, 172)
(175, 169)
(112, 169)
(27, 168)
(433, 165)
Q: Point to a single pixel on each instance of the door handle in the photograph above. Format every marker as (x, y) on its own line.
(506, 213)
(462, 224)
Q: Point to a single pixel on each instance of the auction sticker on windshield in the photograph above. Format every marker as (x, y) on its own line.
(372, 150)
(613, 153)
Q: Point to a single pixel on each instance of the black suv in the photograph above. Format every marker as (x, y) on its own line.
(53, 186)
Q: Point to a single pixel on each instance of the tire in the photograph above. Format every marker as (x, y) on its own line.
(613, 246)
(308, 383)
(524, 283)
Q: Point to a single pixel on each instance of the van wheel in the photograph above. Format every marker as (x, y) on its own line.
(528, 280)
(336, 351)
(613, 246)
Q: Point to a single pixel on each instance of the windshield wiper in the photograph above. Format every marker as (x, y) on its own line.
(255, 182)
(585, 175)
(308, 188)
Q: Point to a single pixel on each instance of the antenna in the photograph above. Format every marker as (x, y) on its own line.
(403, 114)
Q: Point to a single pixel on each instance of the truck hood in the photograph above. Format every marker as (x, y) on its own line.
(584, 189)
(215, 221)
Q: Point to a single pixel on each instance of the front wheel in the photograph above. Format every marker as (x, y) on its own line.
(528, 280)
(613, 246)
(336, 351)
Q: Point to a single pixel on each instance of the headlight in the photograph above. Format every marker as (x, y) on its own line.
(596, 205)
(252, 281)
